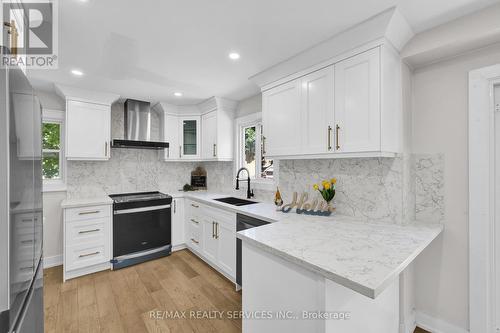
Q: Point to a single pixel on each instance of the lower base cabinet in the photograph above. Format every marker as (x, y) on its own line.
(87, 240)
(178, 225)
(211, 234)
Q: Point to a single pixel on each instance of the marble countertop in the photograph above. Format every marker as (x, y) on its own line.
(261, 210)
(82, 202)
(361, 256)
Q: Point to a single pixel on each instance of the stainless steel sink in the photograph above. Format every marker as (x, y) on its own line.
(235, 201)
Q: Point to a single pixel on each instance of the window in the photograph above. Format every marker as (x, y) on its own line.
(251, 152)
(53, 166)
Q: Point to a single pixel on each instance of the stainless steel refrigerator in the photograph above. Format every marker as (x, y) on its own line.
(21, 224)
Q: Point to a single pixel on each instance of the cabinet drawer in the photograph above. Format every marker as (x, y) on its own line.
(87, 231)
(81, 256)
(194, 239)
(86, 213)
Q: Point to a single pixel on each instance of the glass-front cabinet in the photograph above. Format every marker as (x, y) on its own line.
(189, 146)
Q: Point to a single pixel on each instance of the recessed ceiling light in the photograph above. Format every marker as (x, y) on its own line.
(177, 94)
(76, 72)
(234, 56)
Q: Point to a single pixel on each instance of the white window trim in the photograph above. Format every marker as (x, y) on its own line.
(245, 121)
(56, 185)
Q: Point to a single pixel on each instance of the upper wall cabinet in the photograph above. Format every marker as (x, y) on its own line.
(202, 132)
(88, 123)
(347, 109)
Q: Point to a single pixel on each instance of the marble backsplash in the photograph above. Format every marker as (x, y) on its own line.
(396, 190)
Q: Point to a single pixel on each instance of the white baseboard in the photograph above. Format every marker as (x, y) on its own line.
(436, 325)
(52, 261)
(179, 247)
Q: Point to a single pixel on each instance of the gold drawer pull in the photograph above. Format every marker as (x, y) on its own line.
(89, 212)
(337, 137)
(193, 220)
(87, 231)
(329, 137)
(195, 206)
(28, 241)
(195, 241)
(89, 254)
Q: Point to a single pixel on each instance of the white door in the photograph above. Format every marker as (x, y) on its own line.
(209, 135)
(357, 103)
(87, 131)
(209, 242)
(317, 109)
(178, 225)
(189, 135)
(226, 249)
(282, 119)
(172, 137)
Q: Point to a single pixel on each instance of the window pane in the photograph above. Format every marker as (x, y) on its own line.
(249, 155)
(189, 132)
(266, 165)
(51, 134)
(50, 165)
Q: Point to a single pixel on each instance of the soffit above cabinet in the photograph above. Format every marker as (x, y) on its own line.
(211, 104)
(83, 95)
(389, 26)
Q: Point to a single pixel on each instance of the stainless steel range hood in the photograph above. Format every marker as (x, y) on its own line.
(137, 127)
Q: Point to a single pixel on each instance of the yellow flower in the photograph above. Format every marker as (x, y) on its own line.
(327, 186)
(334, 181)
(315, 186)
(324, 182)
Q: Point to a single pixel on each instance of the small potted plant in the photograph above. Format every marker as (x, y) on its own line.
(327, 190)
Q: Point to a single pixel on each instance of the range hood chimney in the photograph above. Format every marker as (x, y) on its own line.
(137, 131)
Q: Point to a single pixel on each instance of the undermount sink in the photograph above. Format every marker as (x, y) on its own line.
(235, 201)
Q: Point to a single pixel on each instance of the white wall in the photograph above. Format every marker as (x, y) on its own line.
(250, 105)
(440, 126)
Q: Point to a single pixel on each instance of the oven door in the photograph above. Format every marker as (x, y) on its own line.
(141, 229)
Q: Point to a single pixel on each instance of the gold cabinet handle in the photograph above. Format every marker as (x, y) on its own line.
(215, 149)
(89, 254)
(213, 229)
(216, 230)
(194, 241)
(193, 220)
(263, 145)
(337, 137)
(89, 212)
(106, 149)
(195, 206)
(329, 137)
(180, 151)
(88, 231)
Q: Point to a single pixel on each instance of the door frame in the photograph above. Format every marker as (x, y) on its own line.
(481, 158)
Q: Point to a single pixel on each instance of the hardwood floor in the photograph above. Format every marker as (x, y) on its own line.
(138, 298)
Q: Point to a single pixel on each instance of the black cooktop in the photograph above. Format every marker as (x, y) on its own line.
(138, 196)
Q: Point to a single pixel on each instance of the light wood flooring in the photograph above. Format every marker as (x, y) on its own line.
(122, 300)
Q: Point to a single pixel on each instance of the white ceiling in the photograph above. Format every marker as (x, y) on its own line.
(149, 49)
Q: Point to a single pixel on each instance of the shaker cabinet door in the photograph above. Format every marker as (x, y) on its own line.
(282, 123)
(87, 131)
(357, 103)
(209, 135)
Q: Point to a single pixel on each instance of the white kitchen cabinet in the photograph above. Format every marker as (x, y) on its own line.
(178, 224)
(88, 131)
(226, 239)
(210, 242)
(171, 123)
(209, 135)
(351, 108)
(281, 116)
(317, 110)
(189, 137)
(87, 239)
(212, 236)
(357, 103)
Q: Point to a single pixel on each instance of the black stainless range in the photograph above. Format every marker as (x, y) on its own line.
(141, 227)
